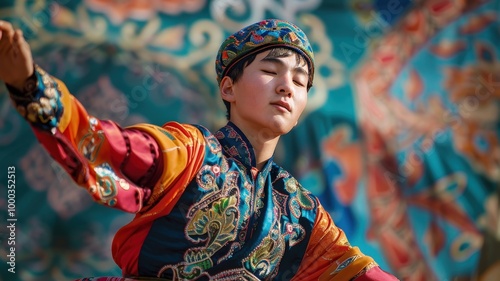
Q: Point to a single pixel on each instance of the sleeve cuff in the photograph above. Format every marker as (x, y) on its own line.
(39, 102)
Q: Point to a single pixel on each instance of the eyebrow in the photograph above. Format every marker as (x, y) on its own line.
(297, 68)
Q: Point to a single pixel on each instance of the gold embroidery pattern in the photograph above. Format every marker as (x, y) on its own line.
(105, 185)
(302, 200)
(264, 260)
(212, 221)
(90, 144)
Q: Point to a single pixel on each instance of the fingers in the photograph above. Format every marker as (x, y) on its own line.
(7, 31)
(5, 25)
(18, 34)
(7, 37)
(16, 62)
(20, 44)
(18, 38)
(11, 39)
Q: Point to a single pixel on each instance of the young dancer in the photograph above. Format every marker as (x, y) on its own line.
(209, 206)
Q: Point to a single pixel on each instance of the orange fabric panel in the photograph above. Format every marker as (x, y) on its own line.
(183, 151)
(183, 148)
(68, 118)
(327, 249)
(350, 265)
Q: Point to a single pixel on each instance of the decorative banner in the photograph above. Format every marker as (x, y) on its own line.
(428, 105)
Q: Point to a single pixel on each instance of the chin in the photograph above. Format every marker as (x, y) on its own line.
(280, 127)
(279, 131)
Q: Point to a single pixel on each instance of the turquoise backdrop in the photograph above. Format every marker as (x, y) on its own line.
(399, 140)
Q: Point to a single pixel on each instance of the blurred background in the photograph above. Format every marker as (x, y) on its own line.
(400, 140)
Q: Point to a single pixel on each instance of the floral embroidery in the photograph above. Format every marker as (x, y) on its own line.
(302, 198)
(42, 108)
(206, 179)
(212, 221)
(295, 232)
(90, 144)
(105, 184)
(243, 151)
(213, 144)
(264, 260)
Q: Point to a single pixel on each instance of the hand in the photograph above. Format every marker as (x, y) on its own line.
(16, 61)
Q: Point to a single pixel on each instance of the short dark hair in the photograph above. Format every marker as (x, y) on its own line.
(236, 71)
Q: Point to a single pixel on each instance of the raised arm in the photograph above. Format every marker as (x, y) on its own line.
(124, 168)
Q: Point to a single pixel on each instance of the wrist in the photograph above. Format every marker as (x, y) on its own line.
(23, 87)
(17, 85)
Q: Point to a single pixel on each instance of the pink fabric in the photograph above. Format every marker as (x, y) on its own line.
(136, 153)
(376, 274)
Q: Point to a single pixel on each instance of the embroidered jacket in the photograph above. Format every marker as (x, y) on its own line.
(203, 211)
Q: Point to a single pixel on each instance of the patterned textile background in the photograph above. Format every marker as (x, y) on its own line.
(400, 140)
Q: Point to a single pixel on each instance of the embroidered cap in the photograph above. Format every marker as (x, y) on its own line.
(259, 36)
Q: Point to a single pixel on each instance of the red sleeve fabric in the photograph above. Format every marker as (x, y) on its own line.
(120, 167)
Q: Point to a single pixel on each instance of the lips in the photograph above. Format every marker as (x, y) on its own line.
(283, 104)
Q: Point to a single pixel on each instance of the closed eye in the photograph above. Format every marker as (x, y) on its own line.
(268, 71)
(299, 83)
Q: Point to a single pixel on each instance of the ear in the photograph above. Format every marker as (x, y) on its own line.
(226, 89)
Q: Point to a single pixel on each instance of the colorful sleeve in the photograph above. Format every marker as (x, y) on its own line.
(120, 167)
(330, 257)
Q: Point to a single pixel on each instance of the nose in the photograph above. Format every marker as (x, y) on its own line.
(285, 86)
